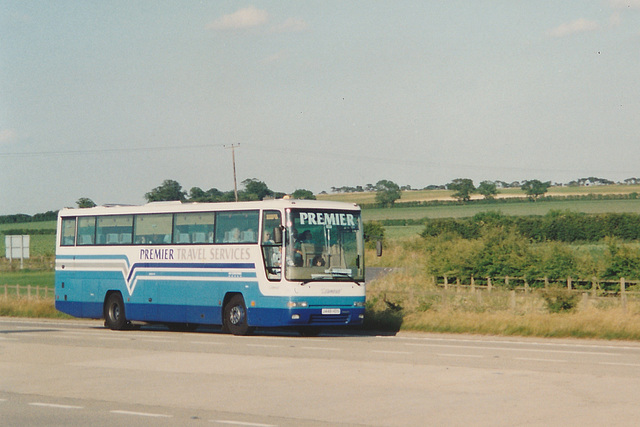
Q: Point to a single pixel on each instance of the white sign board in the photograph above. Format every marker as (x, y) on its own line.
(16, 247)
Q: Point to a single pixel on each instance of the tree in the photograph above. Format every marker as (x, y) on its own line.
(387, 192)
(535, 188)
(463, 188)
(85, 202)
(303, 194)
(488, 189)
(256, 189)
(169, 190)
(197, 194)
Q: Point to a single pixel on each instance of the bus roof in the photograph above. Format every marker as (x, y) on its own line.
(177, 206)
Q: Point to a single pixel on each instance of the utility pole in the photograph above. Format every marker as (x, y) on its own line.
(233, 158)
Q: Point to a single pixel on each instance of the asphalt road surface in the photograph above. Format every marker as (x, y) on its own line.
(78, 373)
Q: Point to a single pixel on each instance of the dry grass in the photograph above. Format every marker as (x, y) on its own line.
(501, 312)
(29, 307)
(601, 324)
(408, 299)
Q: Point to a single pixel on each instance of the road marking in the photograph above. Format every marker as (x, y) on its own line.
(265, 345)
(141, 414)
(115, 338)
(55, 405)
(619, 364)
(241, 423)
(391, 352)
(532, 343)
(533, 359)
(533, 350)
(156, 340)
(207, 342)
(477, 356)
(320, 348)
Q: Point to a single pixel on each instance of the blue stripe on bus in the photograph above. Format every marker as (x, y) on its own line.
(188, 265)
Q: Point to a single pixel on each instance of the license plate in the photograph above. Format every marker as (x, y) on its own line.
(330, 311)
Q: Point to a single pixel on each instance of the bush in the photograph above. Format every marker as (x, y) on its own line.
(373, 231)
(560, 300)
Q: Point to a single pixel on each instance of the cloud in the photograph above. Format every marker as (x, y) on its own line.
(243, 18)
(578, 26)
(291, 25)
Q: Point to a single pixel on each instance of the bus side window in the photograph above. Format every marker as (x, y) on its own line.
(86, 230)
(271, 248)
(196, 227)
(68, 232)
(237, 227)
(153, 229)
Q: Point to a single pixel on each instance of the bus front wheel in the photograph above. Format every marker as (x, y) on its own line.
(235, 316)
(114, 317)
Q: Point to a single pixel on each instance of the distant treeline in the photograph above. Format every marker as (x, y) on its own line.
(20, 218)
(30, 231)
(424, 203)
(559, 226)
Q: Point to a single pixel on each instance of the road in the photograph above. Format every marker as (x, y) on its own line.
(78, 373)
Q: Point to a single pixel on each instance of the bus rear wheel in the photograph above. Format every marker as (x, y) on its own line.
(114, 317)
(235, 316)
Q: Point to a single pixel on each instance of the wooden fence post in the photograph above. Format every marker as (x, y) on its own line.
(489, 284)
(473, 284)
(546, 282)
(623, 293)
(29, 292)
(506, 281)
(569, 283)
(18, 291)
(446, 282)
(594, 286)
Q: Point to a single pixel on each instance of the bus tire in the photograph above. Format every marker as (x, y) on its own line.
(114, 317)
(235, 316)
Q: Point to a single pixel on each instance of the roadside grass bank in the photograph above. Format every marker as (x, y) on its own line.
(496, 314)
(408, 299)
(13, 306)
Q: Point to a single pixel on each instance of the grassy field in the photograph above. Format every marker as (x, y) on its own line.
(40, 244)
(511, 208)
(430, 195)
(24, 278)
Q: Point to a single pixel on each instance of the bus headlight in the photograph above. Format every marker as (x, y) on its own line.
(297, 304)
(358, 304)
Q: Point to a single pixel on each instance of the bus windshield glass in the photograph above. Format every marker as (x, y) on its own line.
(324, 245)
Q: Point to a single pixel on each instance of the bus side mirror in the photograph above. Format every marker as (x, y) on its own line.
(379, 248)
(277, 235)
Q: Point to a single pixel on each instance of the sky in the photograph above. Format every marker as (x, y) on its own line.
(107, 99)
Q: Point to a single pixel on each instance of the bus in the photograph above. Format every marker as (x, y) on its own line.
(278, 263)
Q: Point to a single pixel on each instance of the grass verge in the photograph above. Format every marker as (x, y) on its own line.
(34, 307)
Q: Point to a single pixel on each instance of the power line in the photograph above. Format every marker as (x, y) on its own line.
(105, 150)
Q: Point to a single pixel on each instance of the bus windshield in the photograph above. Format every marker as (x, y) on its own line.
(324, 245)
